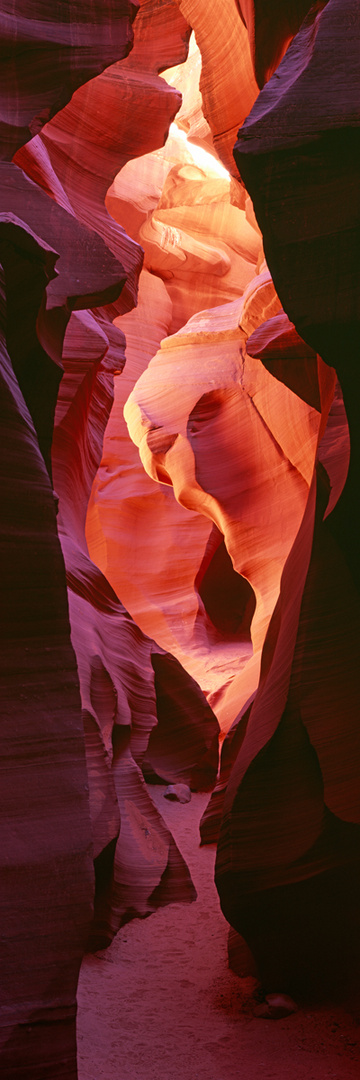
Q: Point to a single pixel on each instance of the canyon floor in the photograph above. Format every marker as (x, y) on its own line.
(162, 1004)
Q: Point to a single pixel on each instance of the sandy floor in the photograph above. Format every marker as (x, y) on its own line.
(161, 1003)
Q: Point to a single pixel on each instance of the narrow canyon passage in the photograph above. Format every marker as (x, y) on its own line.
(179, 479)
(162, 1004)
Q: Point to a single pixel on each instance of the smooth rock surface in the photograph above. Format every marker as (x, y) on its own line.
(46, 864)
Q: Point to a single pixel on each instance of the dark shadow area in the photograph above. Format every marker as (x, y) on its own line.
(228, 598)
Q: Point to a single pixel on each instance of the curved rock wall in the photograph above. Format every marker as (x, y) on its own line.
(48, 50)
(286, 809)
(46, 871)
(286, 154)
(231, 541)
(118, 671)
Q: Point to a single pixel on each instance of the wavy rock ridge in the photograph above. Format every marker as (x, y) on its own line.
(120, 674)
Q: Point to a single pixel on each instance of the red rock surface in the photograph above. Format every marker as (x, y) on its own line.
(271, 29)
(241, 569)
(177, 434)
(296, 728)
(178, 203)
(40, 681)
(39, 1031)
(48, 49)
(304, 125)
(124, 680)
(46, 872)
(227, 81)
(303, 129)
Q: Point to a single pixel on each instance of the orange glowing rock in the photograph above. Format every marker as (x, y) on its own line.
(199, 248)
(128, 511)
(238, 447)
(124, 677)
(227, 80)
(109, 116)
(186, 79)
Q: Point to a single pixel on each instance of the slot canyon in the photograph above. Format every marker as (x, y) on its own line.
(180, 539)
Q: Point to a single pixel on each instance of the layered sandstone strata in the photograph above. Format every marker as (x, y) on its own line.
(140, 709)
(239, 417)
(297, 153)
(293, 744)
(43, 224)
(199, 248)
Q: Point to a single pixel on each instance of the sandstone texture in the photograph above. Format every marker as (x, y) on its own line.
(48, 50)
(183, 415)
(46, 867)
(66, 810)
(179, 336)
